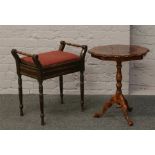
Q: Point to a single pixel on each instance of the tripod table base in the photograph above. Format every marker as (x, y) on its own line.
(120, 100)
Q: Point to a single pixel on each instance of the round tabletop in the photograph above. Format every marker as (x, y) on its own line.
(119, 52)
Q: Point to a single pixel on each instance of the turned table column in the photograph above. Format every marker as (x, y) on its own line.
(118, 53)
(119, 77)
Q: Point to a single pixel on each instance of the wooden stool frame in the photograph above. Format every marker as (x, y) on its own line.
(40, 73)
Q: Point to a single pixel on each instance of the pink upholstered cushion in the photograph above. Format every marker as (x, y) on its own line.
(53, 57)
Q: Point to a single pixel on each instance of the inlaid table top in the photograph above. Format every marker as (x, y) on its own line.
(118, 52)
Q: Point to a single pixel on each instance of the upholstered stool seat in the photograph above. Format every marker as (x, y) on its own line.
(47, 65)
(52, 58)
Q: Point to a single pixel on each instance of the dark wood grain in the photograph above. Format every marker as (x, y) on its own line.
(20, 94)
(41, 97)
(118, 53)
(61, 88)
(82, 89)
(41, 73)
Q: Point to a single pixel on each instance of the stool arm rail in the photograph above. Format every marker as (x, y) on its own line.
(22, 53)
(83, 51)
(16, 54)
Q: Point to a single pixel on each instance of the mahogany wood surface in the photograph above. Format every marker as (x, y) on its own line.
(118, 53)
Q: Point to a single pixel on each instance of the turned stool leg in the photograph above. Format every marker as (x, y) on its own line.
(41, 102)
(20, 94)
(61, 88)
(82, 89)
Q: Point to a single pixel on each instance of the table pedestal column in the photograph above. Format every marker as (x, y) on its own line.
(118, 98)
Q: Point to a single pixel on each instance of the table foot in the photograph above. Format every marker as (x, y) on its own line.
(98, 114)
(130, 123)
(122, 103)
(125, 112)
(106, 106)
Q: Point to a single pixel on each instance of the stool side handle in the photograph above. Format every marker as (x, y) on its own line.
(14, 51)
(34, 57)
(71, 44)
(83, 51)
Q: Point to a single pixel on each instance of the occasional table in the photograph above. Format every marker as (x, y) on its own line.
(119, 54)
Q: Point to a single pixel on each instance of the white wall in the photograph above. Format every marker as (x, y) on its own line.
(142, 72)
(99, 76)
